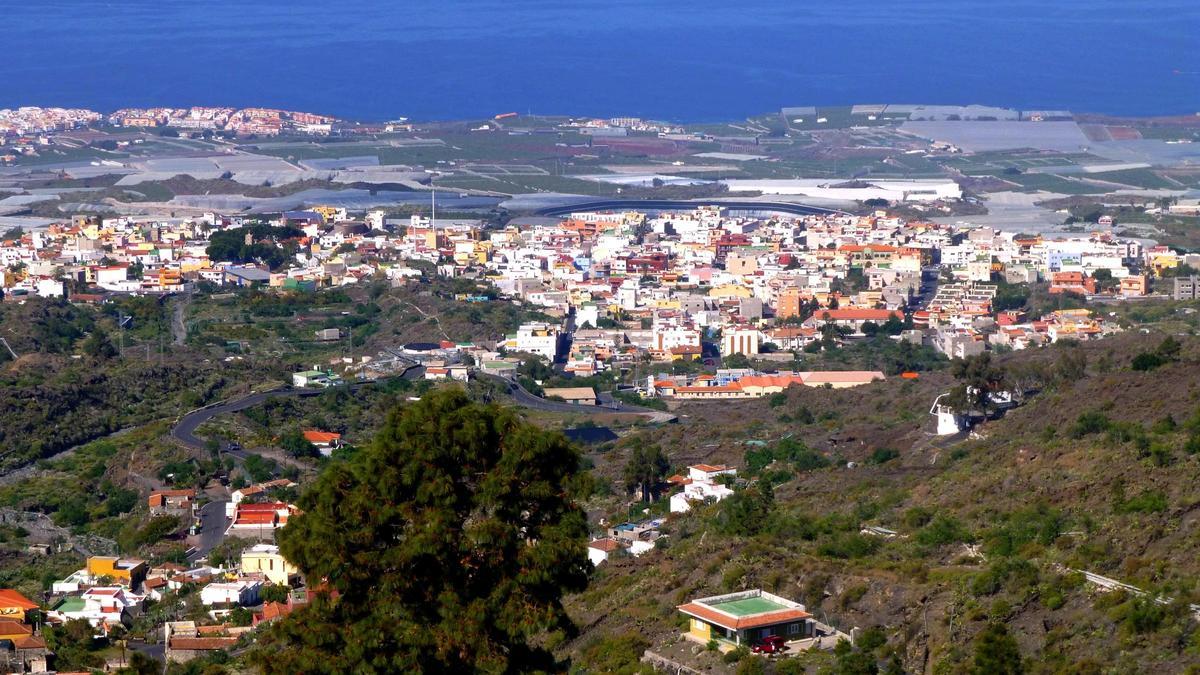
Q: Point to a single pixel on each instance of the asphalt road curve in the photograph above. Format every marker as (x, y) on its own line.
(184, 431)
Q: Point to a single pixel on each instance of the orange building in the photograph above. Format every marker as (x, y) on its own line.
(13, 605)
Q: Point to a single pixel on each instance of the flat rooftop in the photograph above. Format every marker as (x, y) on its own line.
(748, 606)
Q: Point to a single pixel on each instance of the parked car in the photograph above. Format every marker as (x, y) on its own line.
(772, 644)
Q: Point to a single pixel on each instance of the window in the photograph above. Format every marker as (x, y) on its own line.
(794, 628)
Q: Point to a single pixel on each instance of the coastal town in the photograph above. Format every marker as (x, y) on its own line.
(631, 312)
(591, 338)
(633, 289)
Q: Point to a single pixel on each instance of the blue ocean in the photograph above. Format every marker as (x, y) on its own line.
(699, 60)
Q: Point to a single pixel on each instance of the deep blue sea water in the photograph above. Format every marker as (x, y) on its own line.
(694, 60)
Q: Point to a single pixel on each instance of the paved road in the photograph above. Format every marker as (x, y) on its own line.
(526, 399)
(213, 524)
(155, 650)
(184, 430)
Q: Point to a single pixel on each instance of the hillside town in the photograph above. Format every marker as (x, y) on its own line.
(634, 288)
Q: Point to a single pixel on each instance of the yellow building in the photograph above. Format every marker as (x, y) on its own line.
(729, 291)
(328, 213)
(124, 571)
(265, 559)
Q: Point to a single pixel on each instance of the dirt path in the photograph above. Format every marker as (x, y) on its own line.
(178, 327)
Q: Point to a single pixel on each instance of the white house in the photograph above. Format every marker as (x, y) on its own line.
(242, 592)
(111, 277)
(101, 606)
(740, 340)
(239, 494)
(701, 485)
(51, 288)
(600, 550)
(588, 314)
(541, 339)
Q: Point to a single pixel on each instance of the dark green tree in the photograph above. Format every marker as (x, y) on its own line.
(295, 444)
(449, 544)
(996, 652)
(647, 466)
(74, 645)
(138, 663)
(735, 361)
(747, 512)
(979, 377)
(98, 346)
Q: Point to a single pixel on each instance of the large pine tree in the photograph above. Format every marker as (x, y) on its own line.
(449, 543)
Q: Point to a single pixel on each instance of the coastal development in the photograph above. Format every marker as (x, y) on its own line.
(770, 341)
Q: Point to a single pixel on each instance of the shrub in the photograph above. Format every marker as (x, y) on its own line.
(1139, 615)
(755, 665)
(747, 512)
(1147, 361)
(615, 654)
(1150, 501)
(849, 545)
(1192, 446)
(871, 639)
(1038, 524)
(799, 455)
(853, 595)
(1091, 422)
(1011, 573)
(917, 516)
(735, 655)
(942, 530)
(883, 455)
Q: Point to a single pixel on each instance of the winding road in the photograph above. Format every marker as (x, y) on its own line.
(184, 430)
(526, 399)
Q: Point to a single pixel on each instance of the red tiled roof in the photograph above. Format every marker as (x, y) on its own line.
(9, 627)
(11, 598)
(320, 437)
(728, 388)
(784, 381)
(857, 314)
(30, 642)
(608, 545)
(255, 518)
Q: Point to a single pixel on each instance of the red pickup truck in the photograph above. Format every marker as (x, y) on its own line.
(772, 644)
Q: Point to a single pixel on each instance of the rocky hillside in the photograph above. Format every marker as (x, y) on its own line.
(1096, 471)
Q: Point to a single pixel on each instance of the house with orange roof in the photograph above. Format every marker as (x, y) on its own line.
(600, 550)
(13, 605)
(737, 619)
(261, 519)
(172, 502)
(325, 441)
(241, 494)
(851, 317)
